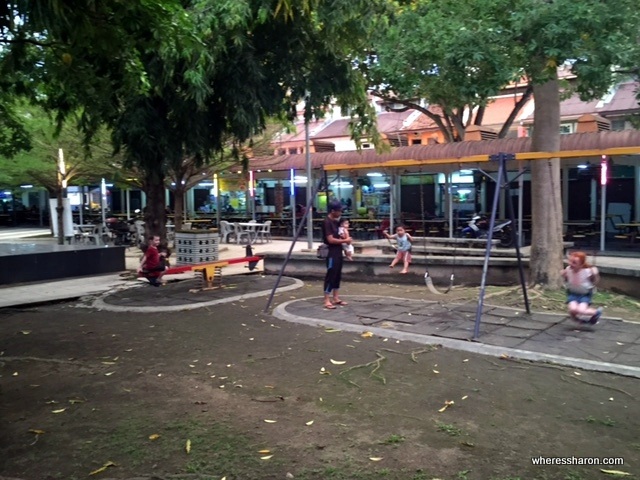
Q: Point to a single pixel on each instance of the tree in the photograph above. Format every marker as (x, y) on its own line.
(591, 38)
(465, 51)
(84, 165)
(451, 54)
(252, 59)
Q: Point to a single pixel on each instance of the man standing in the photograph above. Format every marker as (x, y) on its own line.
(332, 238)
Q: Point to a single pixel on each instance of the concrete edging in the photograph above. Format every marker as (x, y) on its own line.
(100, 304)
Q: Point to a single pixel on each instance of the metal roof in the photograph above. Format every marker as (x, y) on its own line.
(576, 145)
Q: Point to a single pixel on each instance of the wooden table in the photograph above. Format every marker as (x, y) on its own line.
(632, 229)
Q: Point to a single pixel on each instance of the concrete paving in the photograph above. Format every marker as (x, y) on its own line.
(612, 345)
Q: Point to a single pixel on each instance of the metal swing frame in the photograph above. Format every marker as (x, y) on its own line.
(502, 183)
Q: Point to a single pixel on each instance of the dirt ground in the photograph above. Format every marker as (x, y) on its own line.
(233, 393)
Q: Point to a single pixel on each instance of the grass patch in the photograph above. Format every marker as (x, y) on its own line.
(608, 422)
(216, 450)
(393, 440)
(350, 472)
(449, 429)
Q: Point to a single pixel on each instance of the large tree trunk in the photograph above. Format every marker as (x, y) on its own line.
(546, 201)
(155, 214)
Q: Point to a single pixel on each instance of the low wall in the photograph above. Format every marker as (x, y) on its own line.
(21, 263)
(467, 270)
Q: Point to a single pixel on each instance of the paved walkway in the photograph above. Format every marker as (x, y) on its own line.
(612, 345)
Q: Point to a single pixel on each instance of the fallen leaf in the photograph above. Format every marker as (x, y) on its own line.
(266, 457)
(36, 431)
(103, 468)
(447, 404)
(375, 459)
(351, 346)
(25, 332)
(15, 374)
(504, 356)
(108, 374)
(338, 362)
(154, 436)
(270, 421)
(620, 343)
(332, 330)
(58, 411)
(436, 371)
(264, 452)
(73, 401)
(187, 447)
(465, 360)
(108, 363)
(192, 366)
(465, 397)
(611, 399)
(310, 422)
(269, 386)
(615, 472)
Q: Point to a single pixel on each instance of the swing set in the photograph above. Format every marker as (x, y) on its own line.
(502, 183)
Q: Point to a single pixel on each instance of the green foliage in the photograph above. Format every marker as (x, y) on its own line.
(84, 165)
(458, 53)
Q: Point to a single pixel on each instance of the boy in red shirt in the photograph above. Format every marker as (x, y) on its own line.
(153, 262)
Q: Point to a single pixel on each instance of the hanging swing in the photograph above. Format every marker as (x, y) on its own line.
(427, 277)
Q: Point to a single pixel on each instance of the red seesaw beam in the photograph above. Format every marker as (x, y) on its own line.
(228, 261)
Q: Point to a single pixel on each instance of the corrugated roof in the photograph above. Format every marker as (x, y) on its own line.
(579, 142)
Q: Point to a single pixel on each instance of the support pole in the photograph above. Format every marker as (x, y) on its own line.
(502, 177)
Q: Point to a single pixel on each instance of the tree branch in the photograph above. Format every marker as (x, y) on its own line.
(437, 119)
(516, 109)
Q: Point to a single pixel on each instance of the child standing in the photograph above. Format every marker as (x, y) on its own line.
(404, 247)
(343, 231)
(581, 278)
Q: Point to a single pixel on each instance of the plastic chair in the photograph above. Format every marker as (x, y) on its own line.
(227, 230)
(264, 234)
(240, 232)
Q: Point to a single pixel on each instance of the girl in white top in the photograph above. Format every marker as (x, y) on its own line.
(403, 249)
(580, 280)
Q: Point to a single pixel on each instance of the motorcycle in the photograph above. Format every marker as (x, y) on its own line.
(478, 227)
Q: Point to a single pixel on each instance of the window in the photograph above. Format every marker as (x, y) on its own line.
(566, 128)
(618, 124)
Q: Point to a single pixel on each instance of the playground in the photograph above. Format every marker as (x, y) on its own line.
(228, 391)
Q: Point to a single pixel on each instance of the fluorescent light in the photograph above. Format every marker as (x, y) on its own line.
(466, 172)
(464, 191)
(381, 185)
(26, 186)
(205, 184)
(583, 166)
(374, 174)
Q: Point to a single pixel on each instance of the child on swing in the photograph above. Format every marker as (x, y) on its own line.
(580, 280)
(404, 247)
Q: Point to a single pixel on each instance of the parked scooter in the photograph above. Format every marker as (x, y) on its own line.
(478, 227)
(122, 231)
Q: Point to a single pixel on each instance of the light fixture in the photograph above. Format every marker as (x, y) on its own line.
(381, 185)
(583, 166)
(604, 167)
(26, 186)
(374, 174)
